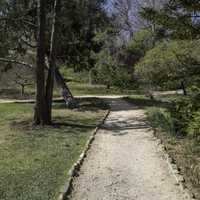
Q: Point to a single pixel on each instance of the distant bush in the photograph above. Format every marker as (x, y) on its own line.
(161, 119)
(193, 128)
(170, 64)
(141, 43)
(182, 118)
(183, 111)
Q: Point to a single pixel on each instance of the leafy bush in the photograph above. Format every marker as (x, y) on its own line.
(142, 42)
(169, 64)
(184, 112)
(193, 128)
(161, 119)
(181, 113)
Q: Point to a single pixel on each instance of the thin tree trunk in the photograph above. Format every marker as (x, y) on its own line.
(53, 71)
(40, 116)
(90, 76)
(52, 60)
(183, 88)
(22, 90)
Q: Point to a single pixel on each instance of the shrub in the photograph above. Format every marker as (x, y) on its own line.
(161, 118)
(170, 64)
(193, 128)
(183, 112)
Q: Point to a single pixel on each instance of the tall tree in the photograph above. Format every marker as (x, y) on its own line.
(24, 25)
(52, 59)
(180, 18)
(127, 17)
(41, 114)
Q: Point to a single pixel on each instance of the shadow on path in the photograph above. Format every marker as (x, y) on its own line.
(118, 124)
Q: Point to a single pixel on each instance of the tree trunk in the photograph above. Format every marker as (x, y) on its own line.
(90, 77)
(183, 88)
(22, 90)
(52, 60)
(40, 116)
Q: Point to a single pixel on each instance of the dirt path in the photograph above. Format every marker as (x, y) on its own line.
(3, 101)
(125, 162)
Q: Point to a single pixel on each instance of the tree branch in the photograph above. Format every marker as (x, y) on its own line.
(16, 62)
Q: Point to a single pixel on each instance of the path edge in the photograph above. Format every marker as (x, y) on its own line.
(73, 172)
(173, 167)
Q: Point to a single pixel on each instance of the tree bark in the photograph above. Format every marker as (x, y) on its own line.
(52, 59)
(183, 88)
(90, 77)
(22, 90)
(40, 116)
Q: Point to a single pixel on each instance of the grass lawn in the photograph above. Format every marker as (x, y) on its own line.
(34, 162)
(77, 89)
(77, 83)
(86, 89)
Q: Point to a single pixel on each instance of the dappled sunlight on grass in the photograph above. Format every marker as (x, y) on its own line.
(34, 161)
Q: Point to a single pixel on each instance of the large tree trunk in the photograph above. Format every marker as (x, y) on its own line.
(52, 60)
(40, 116)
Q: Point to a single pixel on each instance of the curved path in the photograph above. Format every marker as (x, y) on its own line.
(125, 162)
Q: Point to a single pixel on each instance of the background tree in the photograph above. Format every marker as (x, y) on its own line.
(78, 22)
(41, 113)
(180, 18)
(18, 77)
(170, 64)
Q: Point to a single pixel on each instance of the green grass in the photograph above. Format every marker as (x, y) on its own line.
(86, 89)
(77, 89)
(34, 162)
(77, 83)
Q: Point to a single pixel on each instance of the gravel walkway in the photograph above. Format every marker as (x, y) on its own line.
(125, 162)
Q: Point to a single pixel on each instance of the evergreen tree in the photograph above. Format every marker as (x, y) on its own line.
(179, 18)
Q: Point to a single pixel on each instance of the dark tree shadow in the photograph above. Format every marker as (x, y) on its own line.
(148, 102)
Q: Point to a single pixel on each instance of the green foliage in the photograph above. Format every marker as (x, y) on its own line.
(193, 128)
(181, 112)
(178, 17)
(183, 150)
(161, 119)
(81, 21)
(124, 78)
(185, 113)
(78, 23)
(141, 42)
(182, 118)
(169, 63)
(74, 77)
(109, 72)
(105, 68)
